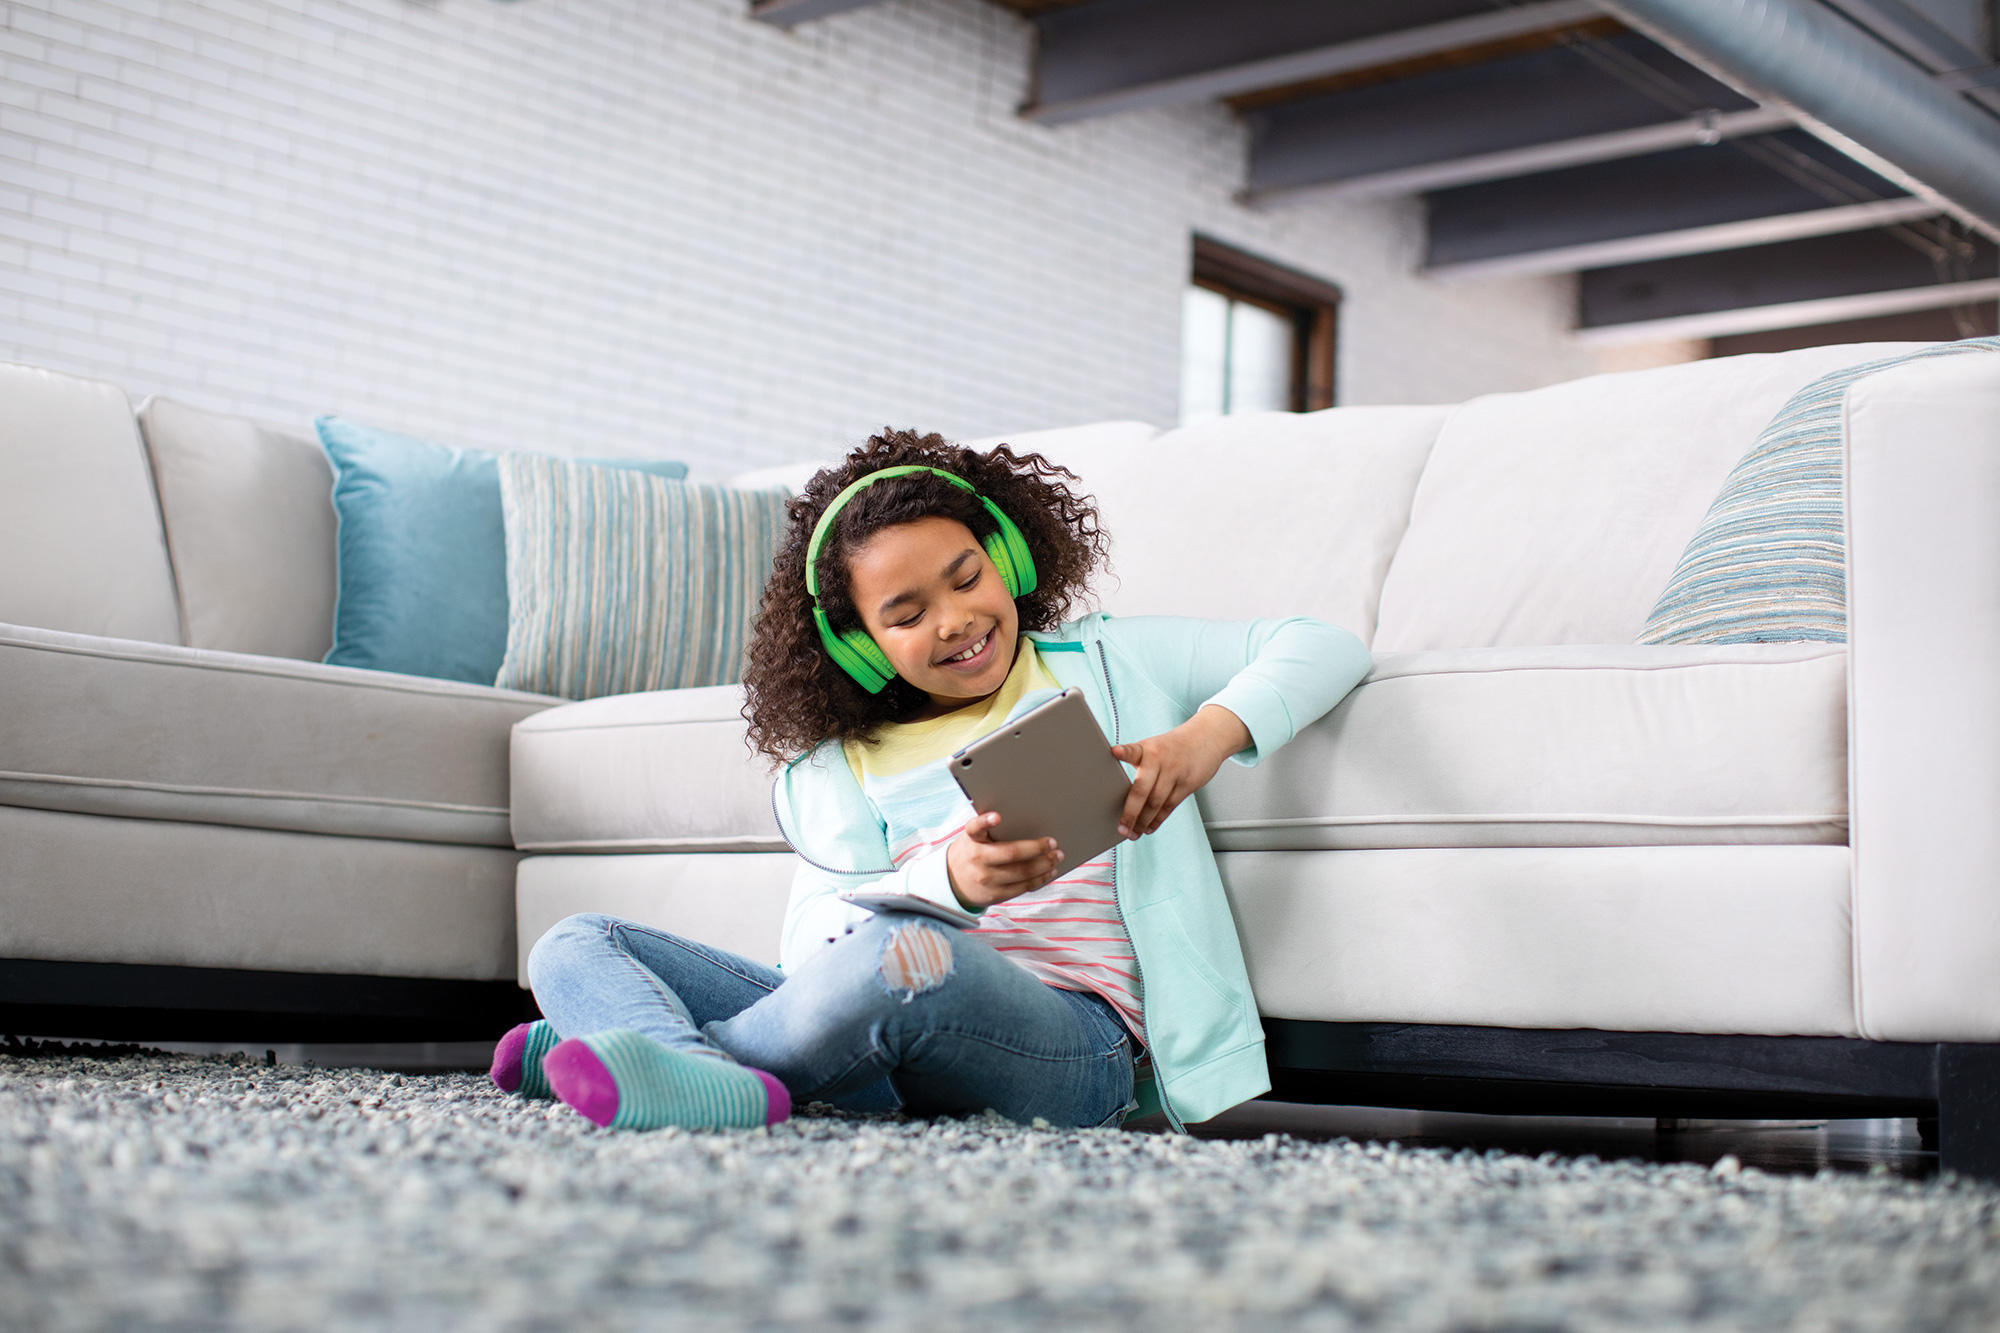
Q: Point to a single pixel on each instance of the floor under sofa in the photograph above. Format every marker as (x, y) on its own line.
(1950, 1092)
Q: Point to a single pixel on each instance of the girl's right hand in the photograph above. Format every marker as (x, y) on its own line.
(984, 872)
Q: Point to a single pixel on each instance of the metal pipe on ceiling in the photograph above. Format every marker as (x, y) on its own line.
(1843, 86)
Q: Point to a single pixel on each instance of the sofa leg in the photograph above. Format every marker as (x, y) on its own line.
(1969, 1110)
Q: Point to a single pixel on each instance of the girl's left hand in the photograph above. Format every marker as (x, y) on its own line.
(1174, 765)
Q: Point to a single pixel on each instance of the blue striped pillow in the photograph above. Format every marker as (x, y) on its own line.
(618, 581)
(1769, 562)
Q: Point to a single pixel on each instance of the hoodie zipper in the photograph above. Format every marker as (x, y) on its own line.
(1118, 901)
(784, 833)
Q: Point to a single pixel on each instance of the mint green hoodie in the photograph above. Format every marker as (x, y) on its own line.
(1142, 676)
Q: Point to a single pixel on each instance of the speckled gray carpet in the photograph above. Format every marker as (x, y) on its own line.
(187, 1192)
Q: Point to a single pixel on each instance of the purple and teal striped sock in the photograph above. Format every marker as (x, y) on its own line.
(626, 1080)
(517, 1059)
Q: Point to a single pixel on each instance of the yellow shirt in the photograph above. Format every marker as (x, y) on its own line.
(902, 746)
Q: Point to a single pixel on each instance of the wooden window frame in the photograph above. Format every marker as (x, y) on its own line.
(1312, 305)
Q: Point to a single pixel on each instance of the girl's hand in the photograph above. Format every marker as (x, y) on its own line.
(1176, 764)
(984, 872)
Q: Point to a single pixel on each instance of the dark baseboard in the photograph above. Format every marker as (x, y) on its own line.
(1526, 1071)
(1951, 1088)
(148, 1002)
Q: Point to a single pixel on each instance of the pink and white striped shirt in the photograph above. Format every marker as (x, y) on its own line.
(1067, 933)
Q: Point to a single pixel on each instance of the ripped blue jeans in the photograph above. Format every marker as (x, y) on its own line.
(900, 1013)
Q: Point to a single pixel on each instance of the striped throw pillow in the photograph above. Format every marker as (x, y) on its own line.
(1769, 562)
(618, 581)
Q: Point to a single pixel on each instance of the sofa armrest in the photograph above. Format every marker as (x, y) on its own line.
(1923, 590)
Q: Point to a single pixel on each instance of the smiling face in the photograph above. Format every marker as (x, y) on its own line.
(932, 600)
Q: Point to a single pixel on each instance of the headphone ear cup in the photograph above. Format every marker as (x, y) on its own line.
(1008, 550)
(1003, 561)
(856, 654)
(870, 656)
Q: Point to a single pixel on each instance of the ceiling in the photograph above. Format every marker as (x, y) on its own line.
(1732, 186)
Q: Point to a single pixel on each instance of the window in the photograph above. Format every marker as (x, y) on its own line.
(1255, 336)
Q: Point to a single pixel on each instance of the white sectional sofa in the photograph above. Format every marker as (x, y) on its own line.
(1529, 864)
(203, 831)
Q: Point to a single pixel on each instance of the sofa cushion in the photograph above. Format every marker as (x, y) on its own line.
(1262, 514)
(81, 548)
(618, 581)
(1557, 515)
(422, 553)
(1769, 562)
(1566, 746)
(1640, 939)
(665, 771)
(113, 727)
(96, 889)
(1650, 939)
(248, 507)
(726, 900)
(793, 476)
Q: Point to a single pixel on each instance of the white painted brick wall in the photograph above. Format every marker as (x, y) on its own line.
(651, 226)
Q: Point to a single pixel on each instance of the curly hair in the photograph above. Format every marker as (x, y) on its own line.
(797, 696)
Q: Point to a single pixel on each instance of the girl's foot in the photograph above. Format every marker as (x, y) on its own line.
(626, 1080)
(517, 1059)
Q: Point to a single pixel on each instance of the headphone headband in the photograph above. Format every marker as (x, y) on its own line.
(852, 489)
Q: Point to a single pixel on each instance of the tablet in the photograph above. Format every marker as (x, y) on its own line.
(1050, 774)
(884, 901)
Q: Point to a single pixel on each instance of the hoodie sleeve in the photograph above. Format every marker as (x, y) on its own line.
(842, 847)
(1278, 676)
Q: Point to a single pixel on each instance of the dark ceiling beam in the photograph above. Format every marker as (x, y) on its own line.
(1815, 281)
(1120, 55)
(1951, 38)
(1939, 34)
(1845, 86)
(1748, 191)
(1981, 78)
(1586, 101)
(785, 13)
(1909, 326)
(1582, 150)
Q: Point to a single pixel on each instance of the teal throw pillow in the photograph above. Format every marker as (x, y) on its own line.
(1769, 562)
(619, 582)
(422, 553)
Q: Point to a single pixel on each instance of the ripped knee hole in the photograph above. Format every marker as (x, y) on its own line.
(916, 958)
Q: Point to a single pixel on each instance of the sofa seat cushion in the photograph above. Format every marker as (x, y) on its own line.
(666, 771)
(116, 727)
(1583, 745)
(1565, 746)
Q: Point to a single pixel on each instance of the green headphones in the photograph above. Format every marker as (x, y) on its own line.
(853, 651)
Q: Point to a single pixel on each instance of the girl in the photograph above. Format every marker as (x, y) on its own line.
(918, 603)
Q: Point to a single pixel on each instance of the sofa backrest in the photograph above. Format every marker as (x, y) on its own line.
(81, 545)
(248, 511)
(1264, 514)
(1557, 515)
(1544, 517)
